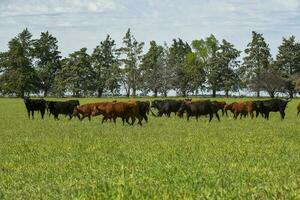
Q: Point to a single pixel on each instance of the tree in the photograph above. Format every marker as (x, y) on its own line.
(288, 62)
(131, 57)
(270, 80)
(104, 61)
(152, 68)
(195, 72)
(257, 58)
(206, 51)
(47, 60)
(227, 65)
(176, 58)
(75, 74)
(19, 77)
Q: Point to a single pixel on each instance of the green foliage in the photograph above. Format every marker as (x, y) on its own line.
(258, 57)
(167, 158)
(131, 55)
(176, 58)
(47, 60)
(288, 62)
(104, 64)
(18, 76)
(152, 68)
(75, 74)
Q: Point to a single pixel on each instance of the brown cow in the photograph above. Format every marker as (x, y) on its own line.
(243, 108)
(229, 107)
(298, 109)
(220, 105)
(124, 110)
(87, 110)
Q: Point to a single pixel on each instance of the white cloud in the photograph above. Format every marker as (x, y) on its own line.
(38, 7)
(88, 21)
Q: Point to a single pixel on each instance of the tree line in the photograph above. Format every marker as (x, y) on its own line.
(35, 66)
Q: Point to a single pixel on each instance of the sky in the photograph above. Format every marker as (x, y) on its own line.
(84, 23)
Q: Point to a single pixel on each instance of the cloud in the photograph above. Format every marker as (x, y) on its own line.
(38, 7)
(88, 21)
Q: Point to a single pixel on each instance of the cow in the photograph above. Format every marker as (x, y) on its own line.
(198, 108)
(123, 110)
(86, 110)
(65, 107)
(166, 106)
(220, 105)
(35, 105)
(273, 105)
(144, 108)
(243, 108)
(229, 107)
(298, 109)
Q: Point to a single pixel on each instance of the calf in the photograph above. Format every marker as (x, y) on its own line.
(35, 105)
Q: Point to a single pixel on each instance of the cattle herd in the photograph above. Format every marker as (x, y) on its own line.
(134, 110)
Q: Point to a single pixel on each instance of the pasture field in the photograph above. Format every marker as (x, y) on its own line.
(168, 158)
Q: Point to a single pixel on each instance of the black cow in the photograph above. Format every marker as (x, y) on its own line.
(66, 108)
(166, 106)
(199, 108)
(273, 105)
(35, 105)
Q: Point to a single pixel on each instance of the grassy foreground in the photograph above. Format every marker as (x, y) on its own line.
(168, 158)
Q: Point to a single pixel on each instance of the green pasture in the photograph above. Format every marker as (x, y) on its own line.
(167, 158)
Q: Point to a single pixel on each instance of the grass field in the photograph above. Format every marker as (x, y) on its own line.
(168, 158)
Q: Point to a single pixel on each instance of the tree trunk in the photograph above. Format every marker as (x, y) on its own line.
(133, 91)
(165, 93)
(214, 93)
(100, 92)
(272, 94)
(257, 93)
(45, 92)
(227, 93)
(184, 93)
(155, 93)
(291, 94)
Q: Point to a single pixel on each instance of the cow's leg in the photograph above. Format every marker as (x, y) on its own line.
(298, 113)
(103, 119)
(132, 120)
(210, 116)
(83, 116)
(89, 116)
(235, 115)
(146, 118)
(187, 116)
(197, 117)
(251, 114)
(32, 114)
(43, 113)
(282, 114)
(218, 117)
(267, 115)
(28, 113)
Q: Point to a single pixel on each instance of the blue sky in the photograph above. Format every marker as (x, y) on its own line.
(84, 23)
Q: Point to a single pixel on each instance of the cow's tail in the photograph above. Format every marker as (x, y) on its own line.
(153, 113)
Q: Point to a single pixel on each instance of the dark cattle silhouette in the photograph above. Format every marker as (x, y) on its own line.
(198, 108)
(35, 105)
(62, 107)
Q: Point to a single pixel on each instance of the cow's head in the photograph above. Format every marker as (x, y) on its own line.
(181, 110)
